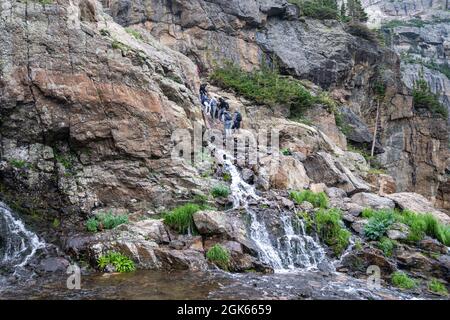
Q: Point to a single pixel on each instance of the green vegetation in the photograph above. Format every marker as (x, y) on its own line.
(286, 152)
(378, 225)
(120, 262)
(430, 64)
(425, 99)
(219, 256)
(67, 160)
(387, 246)
(105, 221)
(56, 223)
(376, 171)
(419, 225)
(413, 23)
(308, 221)
(317, 9)
(401, 280)
(331, 230)
(267, 87)
(120, 46)
(226, 177)
(220, 191)
(437, 287)
(318, 200)
(136, 34)
(18, 164)
(361, 30)
(181, 218)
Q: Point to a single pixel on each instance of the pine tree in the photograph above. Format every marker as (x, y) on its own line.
(356, 11)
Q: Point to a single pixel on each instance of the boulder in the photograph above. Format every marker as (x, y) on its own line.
(353, 209)
(359, 225)
(357, 262)
(318, 187)
(333, 192)
(383, 184)
(54, 264)
(150, 229)
(370, 200)
(192, 260)
(432, 245)
(321, 167)
(417, 203)
(398, 234)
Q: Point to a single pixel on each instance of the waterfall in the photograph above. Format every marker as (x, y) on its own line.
(17, 244)
(295, 249)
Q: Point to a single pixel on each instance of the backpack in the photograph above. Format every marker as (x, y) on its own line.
(238, 117)
(227, 116)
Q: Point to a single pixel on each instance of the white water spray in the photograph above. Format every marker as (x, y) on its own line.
(295, 249)
(17, 244)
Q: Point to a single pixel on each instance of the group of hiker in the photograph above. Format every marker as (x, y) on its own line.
(220, 110)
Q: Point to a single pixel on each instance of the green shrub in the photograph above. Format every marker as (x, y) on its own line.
(105, 220)
(219, 256)
(419, 225)
(330, 229)
(437, 287)
(120, 262)
(181, 218)
(286, 152)
(220, 191)
(17, 163)
(227, 177)
(401, 280)
(378, 225)
(423, 98)
(308, 221)
(318, 200)
(317, 9)
(387, 246)
(92, 225)
(362, 31)
(136, 34)
(266, 87)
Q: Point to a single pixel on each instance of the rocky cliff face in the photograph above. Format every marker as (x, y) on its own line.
(87, 111)
(418, 31)
(211, 32)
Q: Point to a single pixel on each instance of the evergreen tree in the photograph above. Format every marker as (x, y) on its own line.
(356, 11)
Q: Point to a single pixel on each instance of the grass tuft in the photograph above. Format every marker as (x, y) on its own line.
(219, 256)
(318, 200)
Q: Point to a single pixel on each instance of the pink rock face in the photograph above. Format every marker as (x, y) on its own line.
(95, 94)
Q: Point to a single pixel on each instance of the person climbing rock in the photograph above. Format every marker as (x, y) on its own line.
(227, 122)
(223, 106)
(213, 107)
(203, 91)
(237, 119)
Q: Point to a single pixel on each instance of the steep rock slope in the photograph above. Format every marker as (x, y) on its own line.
(212, 32)
(87, 111)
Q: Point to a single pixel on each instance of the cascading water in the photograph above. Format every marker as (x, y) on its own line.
(295, 249)
(17, 244)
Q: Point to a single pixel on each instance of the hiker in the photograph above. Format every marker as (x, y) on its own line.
(227, 122)
(237, 119)
(206, 105)
(213, 107)
(223, 106)
(203, 91)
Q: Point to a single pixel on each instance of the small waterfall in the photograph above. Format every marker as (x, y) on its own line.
(17, 244)
(295, 249)
(298, 249)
